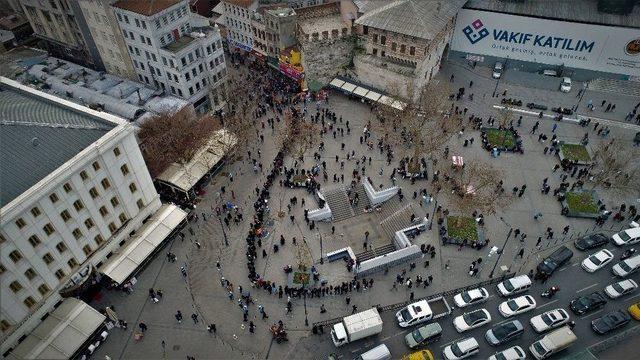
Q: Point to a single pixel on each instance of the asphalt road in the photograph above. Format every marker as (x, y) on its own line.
(572, 280)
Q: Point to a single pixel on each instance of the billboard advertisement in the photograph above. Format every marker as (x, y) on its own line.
(576, 45)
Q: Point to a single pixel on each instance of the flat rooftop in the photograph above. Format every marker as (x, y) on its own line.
(147, 7)
(179, 44)
(37, 136)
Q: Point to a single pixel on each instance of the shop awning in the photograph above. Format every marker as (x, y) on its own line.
(385, 100)
(138, 248)
(398, 105)
(62, 333)
(360, 91)
(349, 87)
(372, 95)
(337, 83)
(315, 85)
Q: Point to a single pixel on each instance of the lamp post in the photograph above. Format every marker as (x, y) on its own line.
(224, 233)
(304, 296)
(500, 253)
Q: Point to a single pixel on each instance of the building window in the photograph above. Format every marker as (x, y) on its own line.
(122, 217)
(20, 223)
(29, 302)
(89, 223)
(43, 289)
(84, 175)
(67, 187)
(35, 211)
(105, 183)
(86, 249)
(114, 201)
(61, 247)
(403, 48)
(65, 216)
(77, 233)
(78, 205)
(383, 40)
(59, 274)
(412, 50)
(116, 151)
(96, 166)
(98, 239)
(103, 211)
(133, 188)
(112, 227)
(47, 258)
(49, 229)
(15, 256)
(2, 269)
(30, 274)
(94, 193)
(54, 198)
(34, 240)
(140, 204)
(73, 263)
(394, 46)
(375, 52)
(15, 286)
(375, 38)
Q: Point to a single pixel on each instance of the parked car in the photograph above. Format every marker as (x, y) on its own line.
(515, 285)
(504, 332)
(620, 288)
(471, 297)
(591, 241)
(565, 85)
(497, 70)
(634, 310)
(423, 335)
(555, 260)
(627, 237)
(627, 266)
(419, 355)
(587, 303)
(610, 322)
(549, 320)
(461, 349)
(512, 353)
(471, 320)
(597, 261)
(517, 306)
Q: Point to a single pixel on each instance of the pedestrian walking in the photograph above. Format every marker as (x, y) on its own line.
(194, 316)
(178, 317)
(521, 253)
(143, 327)
(354, 309)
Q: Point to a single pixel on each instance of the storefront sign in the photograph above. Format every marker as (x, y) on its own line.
(291, 72)
(594, 47)
(239, 45)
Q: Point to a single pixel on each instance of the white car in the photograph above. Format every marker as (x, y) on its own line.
(565, 85)
(597, 261)
(461, 349)
(471, 297)
(549, 320)
(627, 237)
(620, 288)
(497, 70)
(471, 320)
(517, 306)
(512, 353)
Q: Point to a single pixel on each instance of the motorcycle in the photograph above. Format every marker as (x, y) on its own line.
(549, 293)
(627, 253)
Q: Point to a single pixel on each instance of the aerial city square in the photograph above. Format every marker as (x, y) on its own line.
(320, 179)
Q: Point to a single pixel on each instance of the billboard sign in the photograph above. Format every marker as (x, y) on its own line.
(594, 47)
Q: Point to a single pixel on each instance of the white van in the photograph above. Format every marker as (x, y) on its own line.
(380, 352)
(415, 313)
(627, 267)
(627, 237)
(553, 343)
(514, 285)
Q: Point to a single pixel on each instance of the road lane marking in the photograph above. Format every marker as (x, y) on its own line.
(575, 263)
(588, 287)
(634, 296)
(451, 342)
(600, 342)
(548, 303)
(594, 313)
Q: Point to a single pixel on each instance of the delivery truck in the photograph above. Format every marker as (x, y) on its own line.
(357, 326)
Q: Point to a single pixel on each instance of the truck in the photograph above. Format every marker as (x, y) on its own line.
(553, 342)
(357, 326)
(423, 311)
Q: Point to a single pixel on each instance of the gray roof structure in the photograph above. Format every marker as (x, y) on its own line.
(419, 18)
(565, 10)
(38, 136)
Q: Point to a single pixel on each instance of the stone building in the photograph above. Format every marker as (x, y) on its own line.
(404, 42)
(325, 40)
(274, 30)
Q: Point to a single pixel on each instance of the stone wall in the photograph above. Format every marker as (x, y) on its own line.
(374, 72)
(324, 59)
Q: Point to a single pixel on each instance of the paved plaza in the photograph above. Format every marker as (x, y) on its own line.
(201, 292)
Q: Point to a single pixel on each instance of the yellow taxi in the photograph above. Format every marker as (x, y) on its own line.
(634, 310)
(419, 355)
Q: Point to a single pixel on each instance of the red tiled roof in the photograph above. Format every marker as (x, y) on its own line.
(145, 7)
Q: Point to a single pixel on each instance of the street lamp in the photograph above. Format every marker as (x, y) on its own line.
(304, 296)
(226, 241)
(501, 252)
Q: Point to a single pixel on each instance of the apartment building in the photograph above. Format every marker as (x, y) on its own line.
(174, 50)
(106, 34)
(274, 30)
(63, 31)
(77, 201)
(237, 20)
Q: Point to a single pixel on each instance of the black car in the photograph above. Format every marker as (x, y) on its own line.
(587, 303)
(591, 241)
(610, 322)
(557, 258)
(504, 333)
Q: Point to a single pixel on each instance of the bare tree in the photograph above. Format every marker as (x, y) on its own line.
(297, 136)
(239, 120)
(615, 166)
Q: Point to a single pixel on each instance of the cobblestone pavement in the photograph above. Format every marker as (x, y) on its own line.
(201, 292)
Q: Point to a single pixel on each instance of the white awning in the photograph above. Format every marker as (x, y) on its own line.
(372, 95)
(360, 91)
(62, 333)
(348, 87)
(384, 99)
(399, 105)
(337, 82)
(121, 265)
(185, 176)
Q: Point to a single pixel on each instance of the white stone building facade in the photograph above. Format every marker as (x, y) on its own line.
(237, 19)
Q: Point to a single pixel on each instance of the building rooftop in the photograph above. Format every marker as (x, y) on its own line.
(37, 136)
(319, 18)
(565, 10)
(145, 7)
(419, 18)
(240, 3)
(179, 44)
(12, 21)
